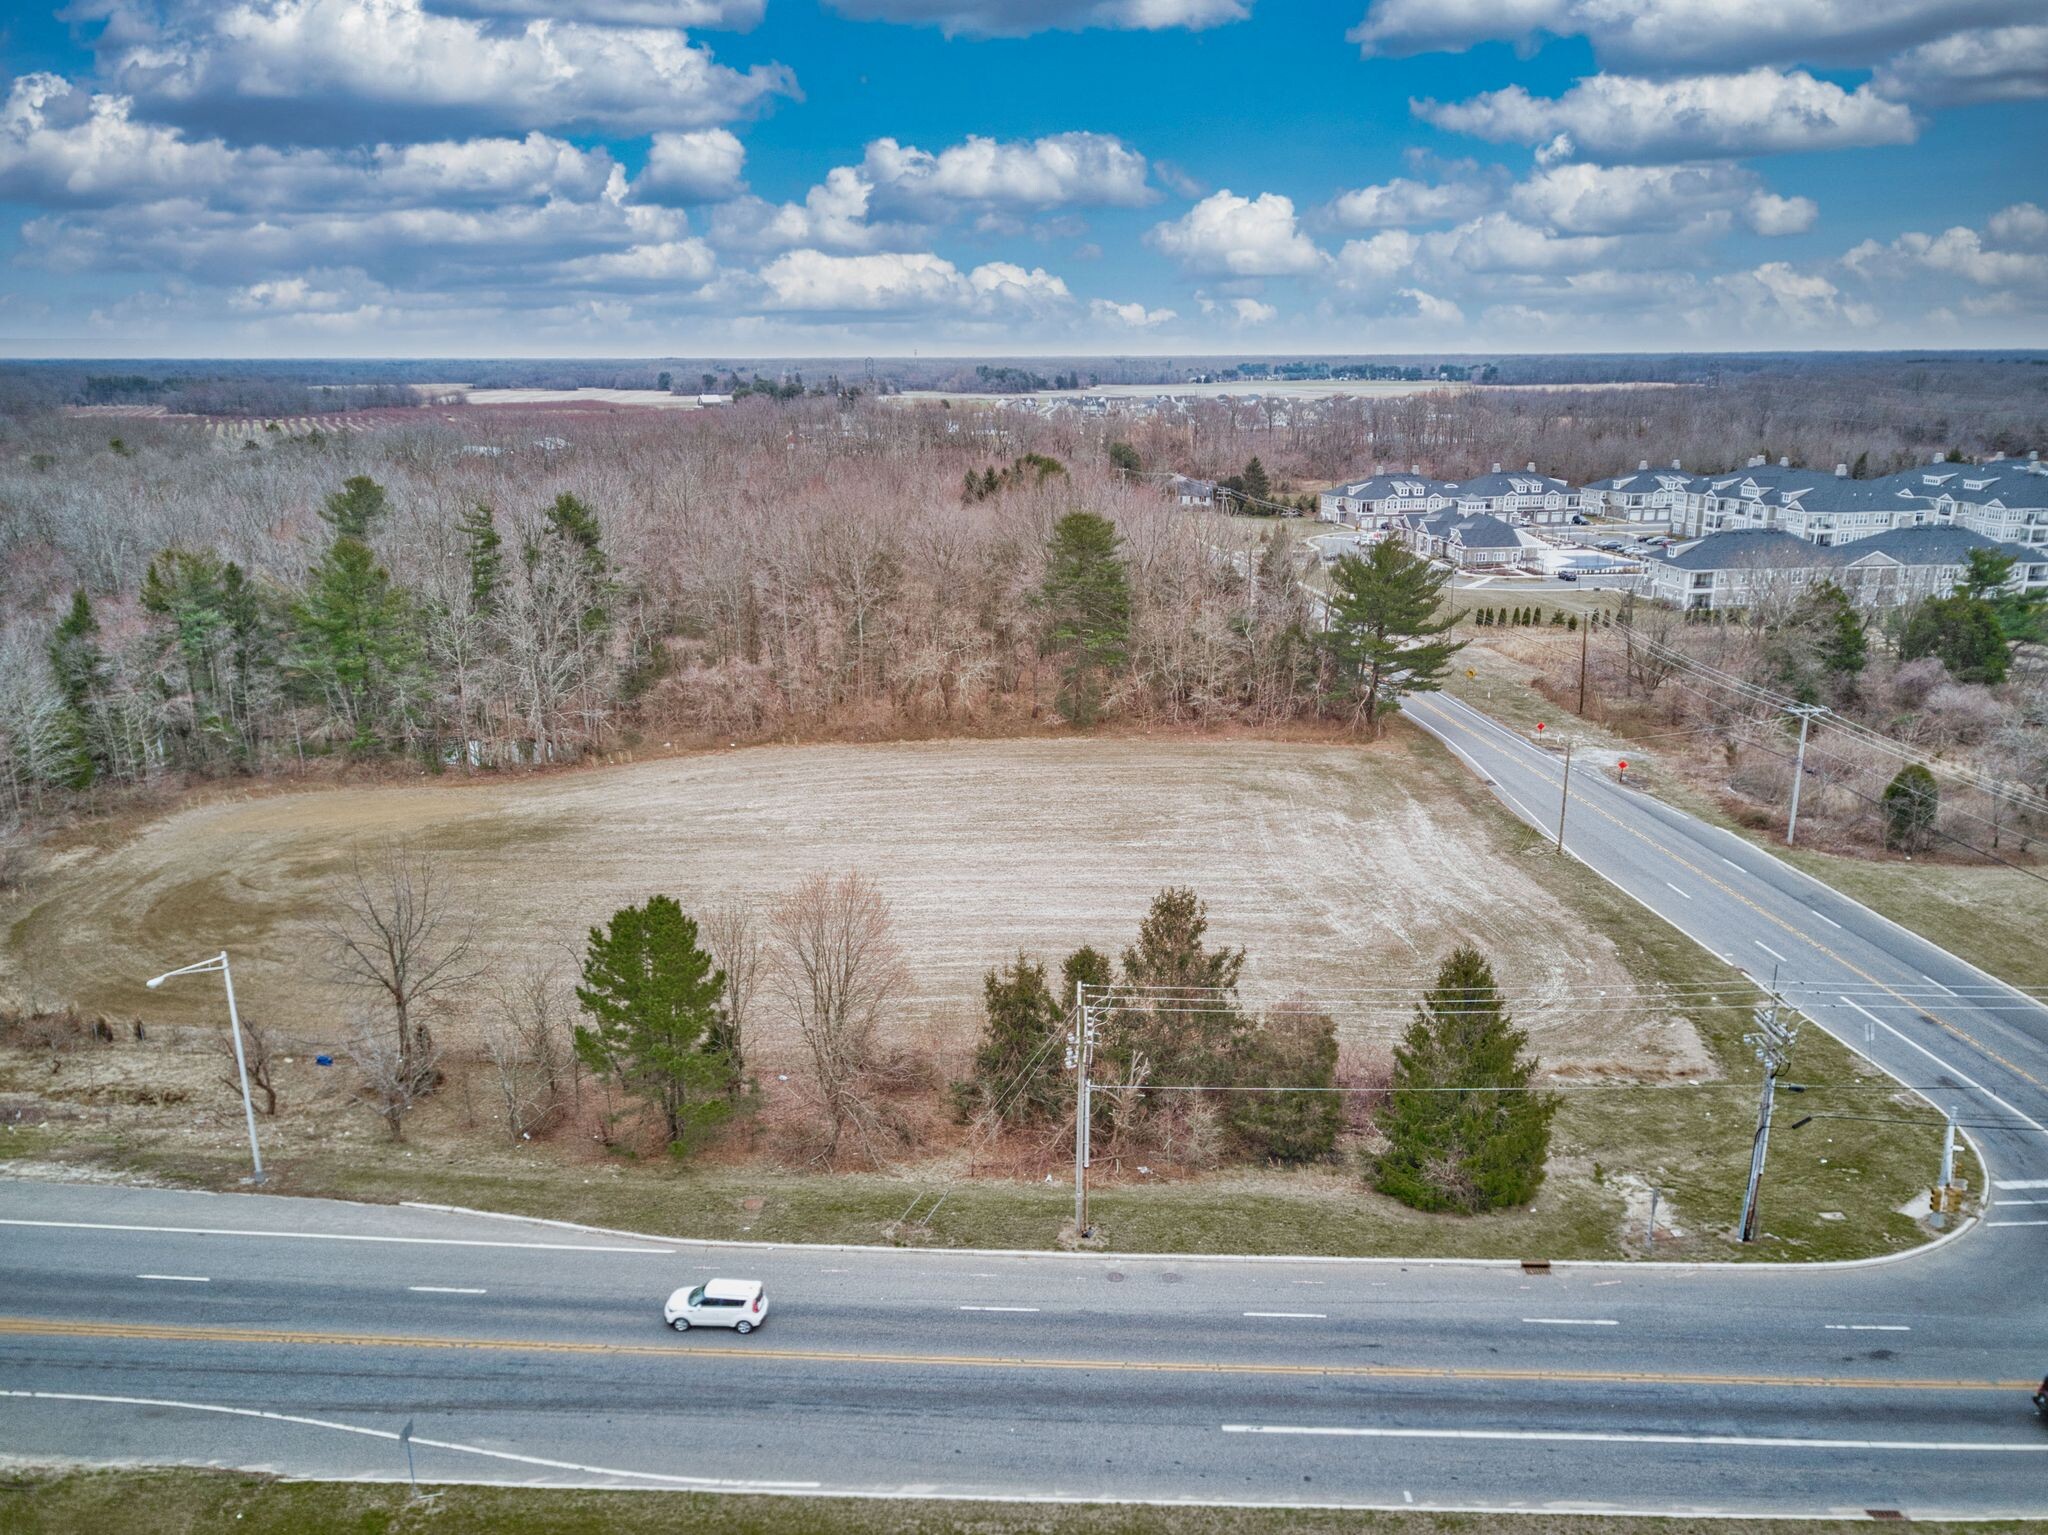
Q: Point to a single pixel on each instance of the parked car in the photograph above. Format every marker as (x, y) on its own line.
(1580, 521)
(1567, 575)
(741, 1304)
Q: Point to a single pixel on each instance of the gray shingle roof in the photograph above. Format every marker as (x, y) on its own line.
(1475, 530)
(1771, 549)
(1402, 487)
(1514, 482)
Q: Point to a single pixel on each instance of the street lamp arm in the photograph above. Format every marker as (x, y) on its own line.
(204, 966)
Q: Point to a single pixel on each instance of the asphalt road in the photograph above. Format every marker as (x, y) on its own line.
(300, 1336)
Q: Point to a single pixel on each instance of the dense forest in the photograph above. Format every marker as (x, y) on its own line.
(480, 589)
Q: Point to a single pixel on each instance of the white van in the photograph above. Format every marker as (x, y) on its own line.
(741, 1304)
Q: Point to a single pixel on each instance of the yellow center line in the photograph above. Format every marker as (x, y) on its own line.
(38, 1327)
(1773, 918)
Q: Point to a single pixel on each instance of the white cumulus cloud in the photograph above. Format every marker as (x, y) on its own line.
(905, 282)
(1134, 315)
(1770, 214)
(1017, 18)
(1228, 235)
(1405, 200)
(1625, 118)
(1989, 64)
(304, 69)
(1060, 170)
(1663, 34)
(696, 167)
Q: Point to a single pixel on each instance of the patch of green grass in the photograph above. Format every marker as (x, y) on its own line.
(199, 1502)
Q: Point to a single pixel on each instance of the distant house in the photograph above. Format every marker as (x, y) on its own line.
(1643, 495)
(1744, 567)
(1523, 497)
(1469, 540)
(1376, 502)
(1190, 492)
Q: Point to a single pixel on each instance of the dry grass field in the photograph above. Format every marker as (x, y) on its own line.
(1339, 868)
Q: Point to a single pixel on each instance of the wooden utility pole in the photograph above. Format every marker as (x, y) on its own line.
(1585, 640)
(1565, 798)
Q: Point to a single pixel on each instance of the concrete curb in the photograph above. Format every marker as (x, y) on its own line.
(1822, 1266)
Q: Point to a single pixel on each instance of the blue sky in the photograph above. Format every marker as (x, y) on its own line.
(620, 177)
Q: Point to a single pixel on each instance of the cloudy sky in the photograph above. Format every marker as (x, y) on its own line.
(489, 177)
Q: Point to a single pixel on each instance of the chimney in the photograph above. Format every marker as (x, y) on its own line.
(2033, 455)
(1784, 462)
(1642, 464)
(1755, 459)
(1841, 471)
(1675, 464)
(1532, 466)
(1496, 468)
(1415, 468)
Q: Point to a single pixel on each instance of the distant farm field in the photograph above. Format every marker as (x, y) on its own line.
(1340, 868)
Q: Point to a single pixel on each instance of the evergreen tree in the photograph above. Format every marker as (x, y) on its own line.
(1086, 598)
(357, 641)
(1910, 801)
(1460, 1149)
(1384, 618)
(1296, 1046)
(1964, 632)
(1124, 458)
(1182, 1014)
(486, 556)
(656, 999)
(357, 508)
(81, 671)
(1257, 487)
(1086, 966)
(1018, 1065)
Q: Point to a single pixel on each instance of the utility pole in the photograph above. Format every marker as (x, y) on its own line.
(1806, 712)
(1772, 1042)
(1585, 639)
(1080, 1056)
(1565, 798)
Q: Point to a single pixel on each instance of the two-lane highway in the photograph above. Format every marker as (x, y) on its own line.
(299, 1335)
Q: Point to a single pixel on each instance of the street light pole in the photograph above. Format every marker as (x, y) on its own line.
(220, 962)
(1080, 1056)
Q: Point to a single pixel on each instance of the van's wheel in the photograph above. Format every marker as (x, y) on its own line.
(681, 1324)
(744, 1328)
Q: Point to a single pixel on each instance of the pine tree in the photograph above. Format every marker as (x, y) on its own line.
(1911, 801)
(1018, 1065)
(1295, 1046)
(1384, 619)
(656, 999)
(1257, 487)
(1452, 1147)
(355, 510)
(486, 556)
(358, 643)
(1183, 1015)
(1086, 597)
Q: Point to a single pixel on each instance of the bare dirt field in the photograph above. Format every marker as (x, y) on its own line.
(1340, 868)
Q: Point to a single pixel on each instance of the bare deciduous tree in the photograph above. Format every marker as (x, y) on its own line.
(395, 935)
(394, 1081)
(260, 1056)
(837, 968)
(528, 1042)
(733, 931)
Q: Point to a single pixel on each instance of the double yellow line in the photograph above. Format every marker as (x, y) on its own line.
(36, 1327)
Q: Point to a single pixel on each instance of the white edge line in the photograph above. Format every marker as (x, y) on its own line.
(1306, 1316)
(334, 1236)
(1954, 1071)
(708, 1483)
(998, 1308)
(444, 1289)
(178, 1278)
(2039, 1446)
(1571, 1321)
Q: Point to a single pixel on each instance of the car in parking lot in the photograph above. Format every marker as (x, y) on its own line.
(741, 1304)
